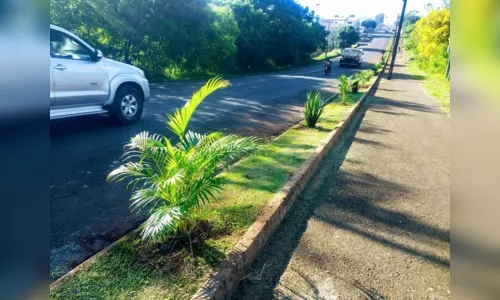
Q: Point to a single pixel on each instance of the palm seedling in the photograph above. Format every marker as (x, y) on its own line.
(313, 108)
(174, 180)
(344, 88)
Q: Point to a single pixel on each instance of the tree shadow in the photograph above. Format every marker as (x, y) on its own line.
(347, 201)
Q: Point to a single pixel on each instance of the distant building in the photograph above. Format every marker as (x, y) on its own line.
(337, 22)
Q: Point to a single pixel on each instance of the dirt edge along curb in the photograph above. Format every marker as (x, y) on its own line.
(223, 282)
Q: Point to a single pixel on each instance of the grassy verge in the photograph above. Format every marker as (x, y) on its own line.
(136, 270)
(435, 86)
(332, 54)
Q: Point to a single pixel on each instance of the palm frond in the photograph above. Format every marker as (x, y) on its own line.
(179, 121)
(162, 222)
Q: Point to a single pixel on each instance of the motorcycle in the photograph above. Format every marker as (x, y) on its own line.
(328, 69)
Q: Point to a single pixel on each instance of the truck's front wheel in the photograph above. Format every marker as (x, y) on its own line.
(127, 106)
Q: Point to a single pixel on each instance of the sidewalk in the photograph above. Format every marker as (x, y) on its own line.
(374, 222)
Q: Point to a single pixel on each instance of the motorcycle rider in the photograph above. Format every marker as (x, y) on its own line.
(328, 65)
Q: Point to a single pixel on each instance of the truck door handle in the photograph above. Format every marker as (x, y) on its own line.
(60, 67)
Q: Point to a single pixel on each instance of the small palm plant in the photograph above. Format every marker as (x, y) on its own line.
(344, 88)
(175, 180)
(313, 108)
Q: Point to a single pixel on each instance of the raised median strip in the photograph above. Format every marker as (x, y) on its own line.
(223, 283)
(258, 192)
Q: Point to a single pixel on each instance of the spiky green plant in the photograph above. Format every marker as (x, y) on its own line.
(175, 180)
(365, 77)
(313, 108)
(343, 88)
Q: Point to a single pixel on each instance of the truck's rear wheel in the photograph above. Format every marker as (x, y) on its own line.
(127, 106)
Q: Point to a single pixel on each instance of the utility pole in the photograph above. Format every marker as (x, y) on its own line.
(448, 67)
(326, 51)
(396, 42)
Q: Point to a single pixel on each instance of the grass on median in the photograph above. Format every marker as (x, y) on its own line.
(136, 270)
(435, 85)
(331, 54)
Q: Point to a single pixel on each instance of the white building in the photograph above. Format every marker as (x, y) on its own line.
(337, 22)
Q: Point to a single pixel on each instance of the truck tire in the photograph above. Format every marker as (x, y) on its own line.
(127, 105)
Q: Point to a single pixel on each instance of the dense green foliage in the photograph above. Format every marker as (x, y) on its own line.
(365, 76)
(354, 81)
(427, 40)
(313, 108)
(171, 38)
(175, 180)
(369, 24)
(347, 36)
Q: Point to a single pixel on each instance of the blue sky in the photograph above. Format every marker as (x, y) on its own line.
(366, 8)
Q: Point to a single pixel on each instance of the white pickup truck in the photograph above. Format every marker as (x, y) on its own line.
(351, 57)
(83, 82)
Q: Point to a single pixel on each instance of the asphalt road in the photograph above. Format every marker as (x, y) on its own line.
(87, 213)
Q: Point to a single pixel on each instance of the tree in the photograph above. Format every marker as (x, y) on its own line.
(380, 18)
(332, 39)
(411, 19)
(433, 33)
(369, 24)
(428, 39)
(175, 180)
(347, 36)
(171, 38)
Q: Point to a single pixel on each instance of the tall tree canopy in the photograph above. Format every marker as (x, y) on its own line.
(169, 38)
(380, 18)
(428, 39)
(369, 24)
(347, 36)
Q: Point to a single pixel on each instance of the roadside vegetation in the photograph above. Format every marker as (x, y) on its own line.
(315, 104)
(172, 39)
(174, 266)
(426, 43)
(331, 54)
(176, 180)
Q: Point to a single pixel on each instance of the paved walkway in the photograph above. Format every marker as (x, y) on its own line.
(374, 222)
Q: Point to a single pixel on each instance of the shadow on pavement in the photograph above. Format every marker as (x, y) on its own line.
(346, 201)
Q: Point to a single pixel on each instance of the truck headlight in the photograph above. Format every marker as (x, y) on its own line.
(141, 72)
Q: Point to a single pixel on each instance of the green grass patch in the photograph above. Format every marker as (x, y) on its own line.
(435, 85)
(137, 270)
(331, 54)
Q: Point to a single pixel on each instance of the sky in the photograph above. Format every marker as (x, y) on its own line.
(366, 8)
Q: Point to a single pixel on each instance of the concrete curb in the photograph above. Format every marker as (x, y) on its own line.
(223, 282)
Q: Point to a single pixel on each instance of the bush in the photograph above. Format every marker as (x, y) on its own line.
(365, 77)
(313, 108)
(174, 180)
(343, 88)
(354, 82)
(378, 66)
